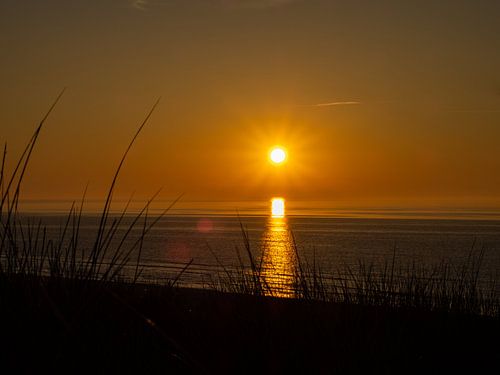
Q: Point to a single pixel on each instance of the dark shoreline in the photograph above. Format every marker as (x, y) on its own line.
(73, 326)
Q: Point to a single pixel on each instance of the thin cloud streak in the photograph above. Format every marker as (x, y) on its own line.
(333, 104)
(143, 4)
(256, 3)
(139, 4)
(474, 110)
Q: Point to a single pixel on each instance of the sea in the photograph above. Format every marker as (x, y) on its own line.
(201, 243)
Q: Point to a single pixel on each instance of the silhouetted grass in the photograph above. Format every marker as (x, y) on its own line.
(447, 286)
(25, 248)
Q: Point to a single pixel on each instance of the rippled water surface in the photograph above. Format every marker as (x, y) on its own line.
(330, 242)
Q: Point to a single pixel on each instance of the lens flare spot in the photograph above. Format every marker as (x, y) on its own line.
(205, 225)
(178, 251)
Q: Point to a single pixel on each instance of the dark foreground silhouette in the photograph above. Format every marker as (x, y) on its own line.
(73, 326)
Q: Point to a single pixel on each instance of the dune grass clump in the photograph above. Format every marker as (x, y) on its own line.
(26, 249)
(445, 287)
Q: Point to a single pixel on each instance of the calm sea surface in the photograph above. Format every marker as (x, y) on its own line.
(331, 242)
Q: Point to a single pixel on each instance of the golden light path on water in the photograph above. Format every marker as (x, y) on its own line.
(278, 262)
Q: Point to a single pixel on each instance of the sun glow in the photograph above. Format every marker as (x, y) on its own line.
(277, 155)
(278, 207)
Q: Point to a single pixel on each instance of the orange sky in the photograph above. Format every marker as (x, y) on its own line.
(391, 103)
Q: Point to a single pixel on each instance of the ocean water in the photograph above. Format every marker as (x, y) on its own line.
(215, 242)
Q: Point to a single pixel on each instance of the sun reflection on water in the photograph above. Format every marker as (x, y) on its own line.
(278, 207)
(278, 262)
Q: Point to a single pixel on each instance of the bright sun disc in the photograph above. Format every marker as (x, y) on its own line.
(277, 155)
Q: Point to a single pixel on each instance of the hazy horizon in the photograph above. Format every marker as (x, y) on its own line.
(313, 209)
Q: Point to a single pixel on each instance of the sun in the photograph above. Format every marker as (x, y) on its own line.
(277, 155)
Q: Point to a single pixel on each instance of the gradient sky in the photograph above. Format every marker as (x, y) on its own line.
(377, 102)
